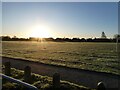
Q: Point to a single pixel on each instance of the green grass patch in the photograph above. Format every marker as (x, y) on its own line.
(92, 56)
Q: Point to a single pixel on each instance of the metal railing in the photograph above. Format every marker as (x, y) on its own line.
(31, 87)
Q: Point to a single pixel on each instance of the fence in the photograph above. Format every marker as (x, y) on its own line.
(31, 87)
(27, 78)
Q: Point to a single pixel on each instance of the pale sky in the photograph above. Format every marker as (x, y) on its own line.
(61, 19)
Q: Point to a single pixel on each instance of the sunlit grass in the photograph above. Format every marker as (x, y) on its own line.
(93, 56)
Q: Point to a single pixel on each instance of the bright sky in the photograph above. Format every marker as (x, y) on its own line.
(59, 19)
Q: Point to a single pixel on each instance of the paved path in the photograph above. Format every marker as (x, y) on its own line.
(78, 76)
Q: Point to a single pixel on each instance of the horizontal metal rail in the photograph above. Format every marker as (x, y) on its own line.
(31, 87)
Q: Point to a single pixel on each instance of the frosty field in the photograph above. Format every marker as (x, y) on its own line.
(92, 56)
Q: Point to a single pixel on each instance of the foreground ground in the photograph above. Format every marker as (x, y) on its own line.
(41, 82)
(78, 76)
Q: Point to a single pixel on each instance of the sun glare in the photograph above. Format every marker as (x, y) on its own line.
(40, 31)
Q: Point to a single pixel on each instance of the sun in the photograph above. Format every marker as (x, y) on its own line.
(40, 31)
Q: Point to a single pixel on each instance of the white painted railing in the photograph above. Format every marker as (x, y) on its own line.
(31, 87)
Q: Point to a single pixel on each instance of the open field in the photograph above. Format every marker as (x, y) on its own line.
(92, 56)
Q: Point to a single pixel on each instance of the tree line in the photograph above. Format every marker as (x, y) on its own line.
(8, 38)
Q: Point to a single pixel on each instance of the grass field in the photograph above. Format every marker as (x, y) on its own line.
(92, 56)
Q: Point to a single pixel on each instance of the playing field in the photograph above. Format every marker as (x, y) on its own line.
(93, 56)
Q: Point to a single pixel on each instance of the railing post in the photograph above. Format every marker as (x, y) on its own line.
(56, 80)
(101, 86)
(27, 74)
(7, 68)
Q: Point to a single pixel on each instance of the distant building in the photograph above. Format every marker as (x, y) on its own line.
(103, 36)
